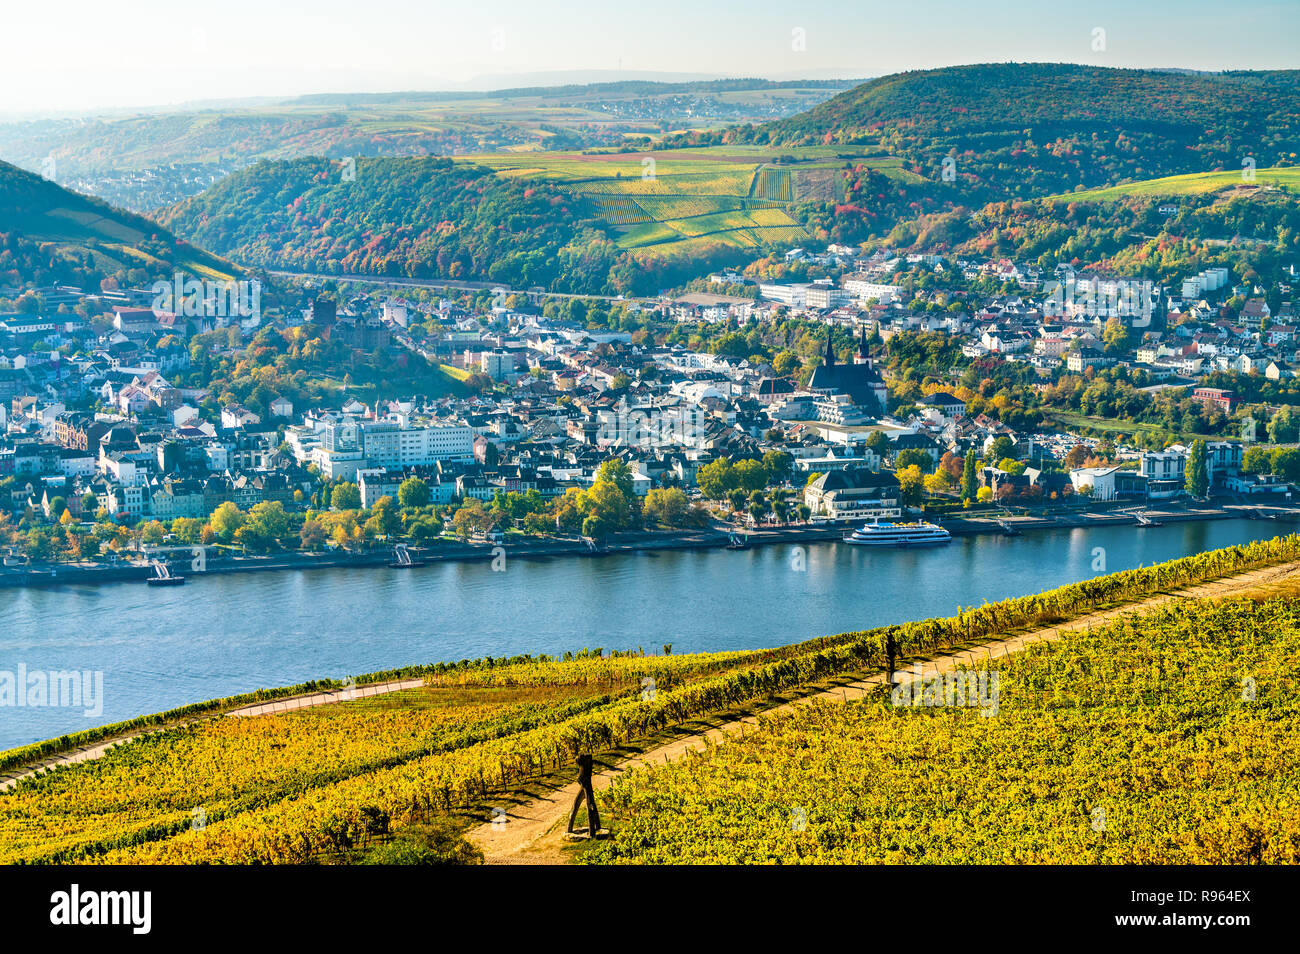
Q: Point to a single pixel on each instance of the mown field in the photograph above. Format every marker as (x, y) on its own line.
(355, 781)
(674, 201)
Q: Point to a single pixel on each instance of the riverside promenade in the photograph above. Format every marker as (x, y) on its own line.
(715, 536)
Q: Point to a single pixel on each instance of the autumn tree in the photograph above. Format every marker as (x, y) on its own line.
(911, 484)
(345, 496)
(666, 507)
(226, 521)
(716, 478)
(751, 475)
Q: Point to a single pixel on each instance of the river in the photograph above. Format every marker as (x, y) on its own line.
(159, 648)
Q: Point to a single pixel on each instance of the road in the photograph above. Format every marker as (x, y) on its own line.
(395, 282)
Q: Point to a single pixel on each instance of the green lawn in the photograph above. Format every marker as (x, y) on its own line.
(1075, 420)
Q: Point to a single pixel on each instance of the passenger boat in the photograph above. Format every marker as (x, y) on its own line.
(887, 534)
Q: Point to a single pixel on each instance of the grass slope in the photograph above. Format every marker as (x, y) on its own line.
(1197, 183)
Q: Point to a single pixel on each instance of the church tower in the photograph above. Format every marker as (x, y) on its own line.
(864, 355)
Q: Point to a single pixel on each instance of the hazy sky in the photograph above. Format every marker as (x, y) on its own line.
(75, 54)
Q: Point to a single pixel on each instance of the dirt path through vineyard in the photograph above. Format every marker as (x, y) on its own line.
(532, 832)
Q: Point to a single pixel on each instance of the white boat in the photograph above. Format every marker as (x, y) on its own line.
(886, 534)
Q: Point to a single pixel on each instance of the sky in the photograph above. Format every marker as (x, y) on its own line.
(61, 55)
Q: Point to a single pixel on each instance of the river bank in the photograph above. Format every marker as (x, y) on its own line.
(160, 648)
(718, 536)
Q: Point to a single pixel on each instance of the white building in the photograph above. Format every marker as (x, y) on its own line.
(796, 296)
(395, 311)
(863, 289)
(389, 443)
(497, 365)
(1109, 483)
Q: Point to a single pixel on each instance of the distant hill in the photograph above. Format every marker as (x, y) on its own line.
(644, 87)
(49, 234)
(868, 164)
(1035, 129)
(214, 139)
(419, 217)
(583, 223)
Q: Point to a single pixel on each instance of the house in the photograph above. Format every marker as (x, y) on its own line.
(1252, 484)
(1085, 357)
(1006, 342)
(949, 406)
(1254, 312)
(1217, 396)
(281, 407)
(1109, 483)
(133, 400)
(235, 417)
(854, 495)
(376, 482)
(138, 320)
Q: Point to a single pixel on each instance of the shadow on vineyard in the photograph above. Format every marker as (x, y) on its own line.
(402, 777)
(1164, 739)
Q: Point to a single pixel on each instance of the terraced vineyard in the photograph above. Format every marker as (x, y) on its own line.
(678, 202)
(332, 782)
(1172, 739)
(146, 794)
(774, 184)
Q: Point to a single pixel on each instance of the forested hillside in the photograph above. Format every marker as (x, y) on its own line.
(1133, 236)
(418, 217)
(51, 235)
(1032, 129)
(904, 159)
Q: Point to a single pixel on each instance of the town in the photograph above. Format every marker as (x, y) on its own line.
(1022, 393)
(822, 435)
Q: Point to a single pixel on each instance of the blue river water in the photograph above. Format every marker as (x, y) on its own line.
(159, 648)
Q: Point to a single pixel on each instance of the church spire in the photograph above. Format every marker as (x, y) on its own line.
(829, 359)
